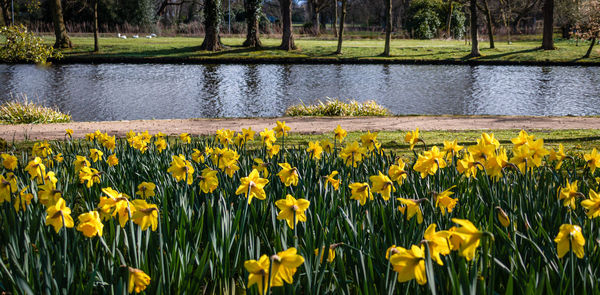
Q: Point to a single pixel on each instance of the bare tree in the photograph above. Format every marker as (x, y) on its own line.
(212, 22)
(488, 21)
(287, 37)
(60, 31)
(335, 17)
(388, 27)
(588, 25)
(547, 40)
(342, 21)
(253, 9)
(315, 8)
(6, 16)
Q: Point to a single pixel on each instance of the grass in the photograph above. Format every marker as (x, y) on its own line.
(203, 240)
(187, 48)
(23, 111)
(336, 107)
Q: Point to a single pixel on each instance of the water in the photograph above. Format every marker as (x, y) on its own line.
(126, 92)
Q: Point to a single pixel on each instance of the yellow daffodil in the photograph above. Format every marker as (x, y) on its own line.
(315, 150)
(445, 202)
(146, 189)
(273, 149)
(361, 192)
(327, 146)
(80, 162)
(467, 165)
(160, 144)
(59, 215)
(138, 280)
(410, 208)
(288, 174)
(225, 136)
(185, 138)
(331, 180)
(36, 169)
(8, 186)
(568, 194)
(383, 185)
(330, 254)
(110, 143)
(339, 134)
(429, 162)
(90, 224)
(208, 180)
(252, 186)
(59, 158)
(369, 140)
(41, 149)
(288, 206)
(69, 132)
(198, 156)
(570, 238)
(502, 217)
(145, 215)
(410, 264)
(116, 203)
(248, 134)
(438, 243)
(112, 160)
(281, 129)
(258, 271)
(267, 137)
(522, 139)
(393, 250)
(48, 194)
(558, 156)
(352, 154)
(397, 172)
(451, 148)
(89, 176)
(412, 137)
(95, 155)
(285, 264)
(182, 169)
(495, 162)
(261, 167)
(23, 200)
(470, 236)
(592, 160)
(592, 205)
(9, 161)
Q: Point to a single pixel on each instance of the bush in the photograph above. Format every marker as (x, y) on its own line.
(23, 46)
(335, 108)
(26, 112)
(425, 18)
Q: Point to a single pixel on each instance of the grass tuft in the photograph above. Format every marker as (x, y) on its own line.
(23, 111)
(337, 108)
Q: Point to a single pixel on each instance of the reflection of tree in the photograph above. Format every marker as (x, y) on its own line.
(210, 87)
(252, 100)
(6, 75)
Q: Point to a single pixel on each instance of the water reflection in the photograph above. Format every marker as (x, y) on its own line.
(123, 92)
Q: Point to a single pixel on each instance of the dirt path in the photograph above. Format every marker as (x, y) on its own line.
(300, 125)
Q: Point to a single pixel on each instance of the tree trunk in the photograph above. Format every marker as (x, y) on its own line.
(253, 8)
(490, 22)
(60, 31)
(335, 17)
(316, 21)
(388, 27)
(212, 22)
(474, 42)
(96, 33)
(449, 22)
(6, 16)
(589, 51)
(547, 41)
(342, 21)
(287, 38)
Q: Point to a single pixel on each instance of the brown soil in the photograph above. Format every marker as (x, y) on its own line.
(310, 125)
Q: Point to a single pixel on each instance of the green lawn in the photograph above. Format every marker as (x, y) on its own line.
(187, 48)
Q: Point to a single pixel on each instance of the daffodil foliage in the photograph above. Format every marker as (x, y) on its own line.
(242, 212)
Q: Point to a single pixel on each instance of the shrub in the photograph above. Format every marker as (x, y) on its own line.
(23, 46)
(335, 107)
(26, 112)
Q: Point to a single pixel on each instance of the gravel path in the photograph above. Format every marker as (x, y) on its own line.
(310, 125)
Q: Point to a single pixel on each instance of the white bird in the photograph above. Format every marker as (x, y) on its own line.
(123, 37)
(149, 37)
(118, 35)
(153, 35)
(135, 36)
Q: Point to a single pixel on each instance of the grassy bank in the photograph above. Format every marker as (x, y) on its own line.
(186, 49)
